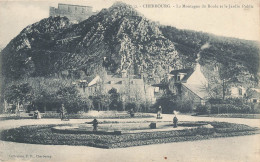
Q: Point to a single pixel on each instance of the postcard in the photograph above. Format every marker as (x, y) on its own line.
(129, 80)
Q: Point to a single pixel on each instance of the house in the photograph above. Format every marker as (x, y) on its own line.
(236, 92)
(187, 84)
(253, 95)
(130, 87)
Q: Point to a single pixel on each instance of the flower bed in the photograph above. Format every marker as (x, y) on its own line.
(233, 115)
(42, 134)
(99, 115)
(114, 115)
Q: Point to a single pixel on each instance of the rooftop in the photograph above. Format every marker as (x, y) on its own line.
(197, 89)
(188, 73)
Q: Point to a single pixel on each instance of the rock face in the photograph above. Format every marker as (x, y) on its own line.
(117, 38)
(119, 34)
(30, 52)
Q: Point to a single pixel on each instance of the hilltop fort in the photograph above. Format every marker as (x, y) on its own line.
(75, 13)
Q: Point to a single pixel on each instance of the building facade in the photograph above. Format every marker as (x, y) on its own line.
(236, 92)
(131, 88)
(75, 13)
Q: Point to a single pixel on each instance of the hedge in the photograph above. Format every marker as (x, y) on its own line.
(229, 108)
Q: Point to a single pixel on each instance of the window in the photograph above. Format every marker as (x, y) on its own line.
(254, 100)
(178, 78)
(76, 8)
(240, 91)
(84, 88)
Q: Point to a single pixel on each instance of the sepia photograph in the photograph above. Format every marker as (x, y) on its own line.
(129, 80)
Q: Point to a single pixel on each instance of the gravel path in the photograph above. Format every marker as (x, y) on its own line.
(246, 148)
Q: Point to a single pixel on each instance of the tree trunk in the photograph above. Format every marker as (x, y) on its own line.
(44, 107)
(17, 108)
(5, 107)
(223, 85)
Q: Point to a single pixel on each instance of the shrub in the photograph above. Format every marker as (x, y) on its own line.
(184, 106)
(231, 108)
(116, 105)
(166, 103)
(202, 109)
(231, 105)
(215, 101)
(131, 105)
(255, 108)
(244, 108)
(224, 108)
(234, 101)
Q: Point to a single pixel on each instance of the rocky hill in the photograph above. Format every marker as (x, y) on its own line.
(120, 38)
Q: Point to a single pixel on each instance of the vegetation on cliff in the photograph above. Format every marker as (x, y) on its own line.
(120, 38)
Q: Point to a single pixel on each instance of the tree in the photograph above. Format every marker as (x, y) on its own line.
(18, 94)
(71, 99)
(219, 81)
(116, 103)
(44, 101)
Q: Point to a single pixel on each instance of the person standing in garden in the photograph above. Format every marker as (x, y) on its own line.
(38, 115)
(35, 114)
(95, 124)
(175, 120)
(132, 112)
(62, 112)
(159, 112)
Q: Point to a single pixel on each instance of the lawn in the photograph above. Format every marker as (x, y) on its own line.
(42, 134)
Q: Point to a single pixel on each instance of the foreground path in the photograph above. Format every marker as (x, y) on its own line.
(246, 148)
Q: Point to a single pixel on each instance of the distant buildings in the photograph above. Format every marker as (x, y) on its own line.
(75, 13)
(130, 87)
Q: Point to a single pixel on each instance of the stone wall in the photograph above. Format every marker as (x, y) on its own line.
(73, 12)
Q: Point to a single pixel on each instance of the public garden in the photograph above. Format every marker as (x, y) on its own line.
(35, 137)
(115, 133)
(113, 130)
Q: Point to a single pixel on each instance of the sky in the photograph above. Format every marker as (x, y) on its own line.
(236, 22)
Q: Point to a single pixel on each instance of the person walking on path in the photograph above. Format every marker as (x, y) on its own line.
(94, 124)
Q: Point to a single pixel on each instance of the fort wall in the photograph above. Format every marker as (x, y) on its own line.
(73, 12)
